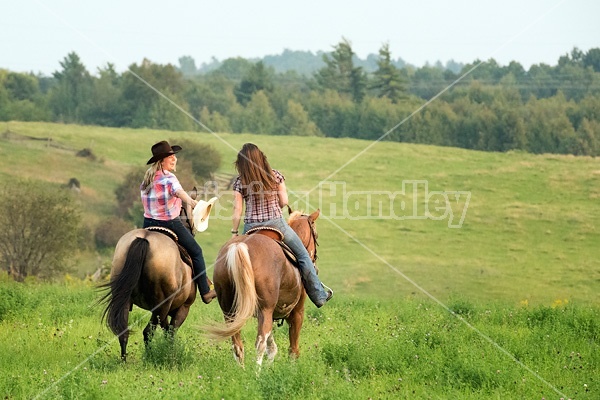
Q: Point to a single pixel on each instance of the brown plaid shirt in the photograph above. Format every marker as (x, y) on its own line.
(261, 205)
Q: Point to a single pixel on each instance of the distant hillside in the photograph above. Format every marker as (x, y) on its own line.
(307, 62)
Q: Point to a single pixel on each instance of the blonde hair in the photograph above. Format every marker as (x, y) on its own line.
(149, 175)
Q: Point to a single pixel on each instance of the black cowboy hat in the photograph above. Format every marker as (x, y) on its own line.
(161, 150)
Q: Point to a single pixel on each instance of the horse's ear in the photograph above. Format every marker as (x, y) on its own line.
(315, 215)
(194, 193)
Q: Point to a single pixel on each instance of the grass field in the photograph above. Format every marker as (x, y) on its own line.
(408, 232)
(54, 347)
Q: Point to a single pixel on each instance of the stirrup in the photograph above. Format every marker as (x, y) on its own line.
(329, 295)
(328, 289)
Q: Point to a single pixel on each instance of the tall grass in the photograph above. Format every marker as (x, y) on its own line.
(355, 349)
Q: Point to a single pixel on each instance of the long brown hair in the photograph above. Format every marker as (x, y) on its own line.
(254, 169)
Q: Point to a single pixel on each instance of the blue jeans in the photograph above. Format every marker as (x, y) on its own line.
(312, 284)
(189, 243)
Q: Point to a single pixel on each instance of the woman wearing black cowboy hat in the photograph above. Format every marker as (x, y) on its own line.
(162, 195)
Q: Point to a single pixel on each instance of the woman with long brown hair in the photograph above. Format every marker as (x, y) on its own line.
(263, 191)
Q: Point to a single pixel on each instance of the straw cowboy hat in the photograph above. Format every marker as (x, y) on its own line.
(161, 150)
(201, 213)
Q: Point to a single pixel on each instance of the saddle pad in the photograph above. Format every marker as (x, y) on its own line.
(273, 233)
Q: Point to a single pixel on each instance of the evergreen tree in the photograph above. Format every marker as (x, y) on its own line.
(388, 81)
(187, 66)
(258, 78)
(74, 88)
(341, 75)
(106, 107)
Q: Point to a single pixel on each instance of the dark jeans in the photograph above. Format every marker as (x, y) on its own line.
(189, 243)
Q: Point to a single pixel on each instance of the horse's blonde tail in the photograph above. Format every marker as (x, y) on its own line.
(245, 300)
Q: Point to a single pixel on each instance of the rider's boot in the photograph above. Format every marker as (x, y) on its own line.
(208, 296)
(318, 293)
(204, 285)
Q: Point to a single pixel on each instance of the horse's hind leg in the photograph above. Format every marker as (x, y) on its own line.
(238, 348)
(271, 347)
(179, 317)
(264, 340)
(123, 339)
(295, 320)
(159, 317)
(150, 328)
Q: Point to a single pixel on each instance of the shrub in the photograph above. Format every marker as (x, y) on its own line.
(205, 159)
(11, 298)
(129, 191)
(110, 231)
(41, 226)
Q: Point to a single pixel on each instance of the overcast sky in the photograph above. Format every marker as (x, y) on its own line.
(36, 35)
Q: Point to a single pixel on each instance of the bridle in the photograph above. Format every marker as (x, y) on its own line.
(314, 236)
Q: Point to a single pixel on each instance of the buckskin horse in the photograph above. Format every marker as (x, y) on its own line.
(254, 277)
(149, 272)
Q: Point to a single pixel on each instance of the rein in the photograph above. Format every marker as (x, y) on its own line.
(313, 232)
(314, 236)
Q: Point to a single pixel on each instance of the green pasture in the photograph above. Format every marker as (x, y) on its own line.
(54, 347)
(529, 230)
(457, 274)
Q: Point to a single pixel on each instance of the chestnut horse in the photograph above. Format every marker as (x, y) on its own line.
(253, 277)
(147, 271)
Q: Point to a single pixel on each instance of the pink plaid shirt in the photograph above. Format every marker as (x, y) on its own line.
(261, 205)
(160, 201)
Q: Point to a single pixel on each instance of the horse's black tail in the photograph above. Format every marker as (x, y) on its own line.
(121, 286)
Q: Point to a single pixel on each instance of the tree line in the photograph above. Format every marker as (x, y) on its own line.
(481, 105)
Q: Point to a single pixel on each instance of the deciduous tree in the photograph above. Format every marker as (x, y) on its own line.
(297, 122)
(259, 116)
(40, 229)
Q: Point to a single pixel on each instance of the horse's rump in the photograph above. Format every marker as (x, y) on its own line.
(277, 287)
(162, 271)
(147, 271)
(250, 272)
